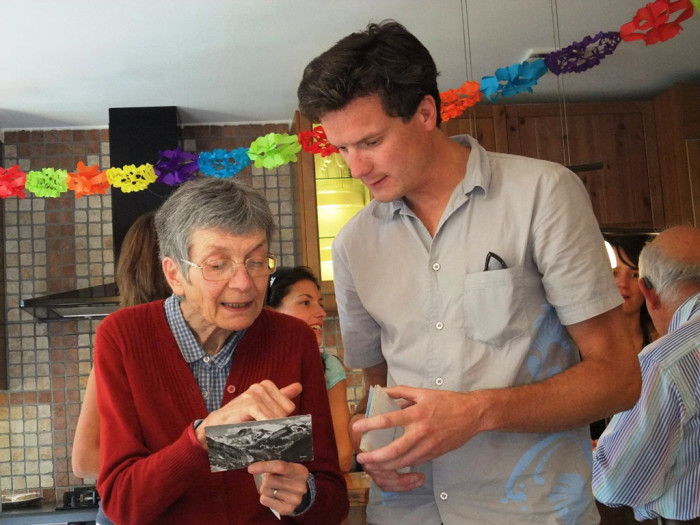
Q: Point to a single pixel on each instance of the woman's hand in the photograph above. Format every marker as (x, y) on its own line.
(260, 402)
(283, 484)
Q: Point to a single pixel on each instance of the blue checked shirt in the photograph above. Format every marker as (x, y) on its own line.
(648, 458)
(210, 371)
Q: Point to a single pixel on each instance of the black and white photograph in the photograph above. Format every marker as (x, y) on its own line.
(240, 444)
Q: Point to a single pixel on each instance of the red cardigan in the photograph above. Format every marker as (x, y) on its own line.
(153, 469)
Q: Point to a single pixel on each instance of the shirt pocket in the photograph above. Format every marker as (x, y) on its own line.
(493, 306)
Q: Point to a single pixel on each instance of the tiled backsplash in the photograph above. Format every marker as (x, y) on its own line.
(54, 245)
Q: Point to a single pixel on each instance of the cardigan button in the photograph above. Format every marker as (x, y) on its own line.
(230, 389)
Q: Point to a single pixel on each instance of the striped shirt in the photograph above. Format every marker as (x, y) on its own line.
(649, 457)
(210, 371)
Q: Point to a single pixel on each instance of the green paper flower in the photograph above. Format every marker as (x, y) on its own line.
(273, 150)
(47, 183)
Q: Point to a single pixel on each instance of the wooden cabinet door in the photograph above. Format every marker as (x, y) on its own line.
(626, 190)
(678, 123)
(307, 249)
(487, 124)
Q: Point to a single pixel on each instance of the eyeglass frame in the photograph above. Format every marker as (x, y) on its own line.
(270, 258)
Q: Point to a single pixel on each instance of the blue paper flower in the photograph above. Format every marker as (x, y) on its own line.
(222, 163)
(514, 79)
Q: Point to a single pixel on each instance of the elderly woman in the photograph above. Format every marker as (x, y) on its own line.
(210, 355)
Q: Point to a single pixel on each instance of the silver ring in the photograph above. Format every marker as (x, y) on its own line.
(274, 494)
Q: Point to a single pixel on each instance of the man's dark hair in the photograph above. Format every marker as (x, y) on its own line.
(385, 59)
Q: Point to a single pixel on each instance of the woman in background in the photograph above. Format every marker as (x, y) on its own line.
(296, 292)
(140, 279)
(627, 249)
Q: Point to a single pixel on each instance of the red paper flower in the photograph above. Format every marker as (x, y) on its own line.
(87, 180)
(653, 23)
(12, 182)
(316, 142)
(454, 102)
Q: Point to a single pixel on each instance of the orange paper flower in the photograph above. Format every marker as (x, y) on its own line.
(87, 180)
(456, 101)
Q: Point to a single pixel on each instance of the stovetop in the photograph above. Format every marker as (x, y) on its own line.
(79, 498)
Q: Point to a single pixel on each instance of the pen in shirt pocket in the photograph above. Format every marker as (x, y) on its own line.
(494, 262)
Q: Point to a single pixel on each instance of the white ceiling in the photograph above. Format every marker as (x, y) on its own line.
(64, 63)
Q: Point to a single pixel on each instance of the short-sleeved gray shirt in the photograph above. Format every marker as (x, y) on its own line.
(427, 307)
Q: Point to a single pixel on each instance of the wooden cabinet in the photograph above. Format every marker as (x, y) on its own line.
(307, 250)
(487, 124)
(677, 112)
(621, 136)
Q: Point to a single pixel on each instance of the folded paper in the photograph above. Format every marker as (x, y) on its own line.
(130, 178)
(514, 79)
(87, 180)
(222, 163)
(176, 166)
(583, 55)
(12, 182)
(454, 102)
(47, 183)
(653, 23)
(274, 149)
(316, 142)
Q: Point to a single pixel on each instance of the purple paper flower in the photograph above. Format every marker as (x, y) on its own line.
(582, 55)
(176, 166)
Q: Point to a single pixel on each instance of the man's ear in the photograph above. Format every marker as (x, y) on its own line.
(650, 295)
(174, 276)
(427, 111)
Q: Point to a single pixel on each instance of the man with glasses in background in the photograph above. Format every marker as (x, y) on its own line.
(648, 458)
(210, 355)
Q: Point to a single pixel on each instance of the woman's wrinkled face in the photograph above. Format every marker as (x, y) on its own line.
(233, 304)
(627, 280)
(304, 302)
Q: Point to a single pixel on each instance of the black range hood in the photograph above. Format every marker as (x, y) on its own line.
(135, 137)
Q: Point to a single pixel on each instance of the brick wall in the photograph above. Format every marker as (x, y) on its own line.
(53, 245)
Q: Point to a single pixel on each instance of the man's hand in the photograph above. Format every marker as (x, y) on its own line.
(434, 422)
(260, 402)
(283, 486)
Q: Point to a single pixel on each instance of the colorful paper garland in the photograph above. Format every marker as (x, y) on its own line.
(652, 23)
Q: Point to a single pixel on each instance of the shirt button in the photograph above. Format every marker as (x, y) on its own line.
(439, 381)
(443, 496)
(439, 325)
(436, 266)
(205, 394)
(206, 359)
(230, 389)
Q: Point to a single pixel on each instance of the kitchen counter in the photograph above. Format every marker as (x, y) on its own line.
(46, 513)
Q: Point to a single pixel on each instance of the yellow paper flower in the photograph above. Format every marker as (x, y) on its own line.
(130, 178)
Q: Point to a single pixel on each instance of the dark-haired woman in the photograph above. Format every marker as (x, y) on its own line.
(627, 249)
(296, 292)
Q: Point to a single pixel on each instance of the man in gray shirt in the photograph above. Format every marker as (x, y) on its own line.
(469, 285)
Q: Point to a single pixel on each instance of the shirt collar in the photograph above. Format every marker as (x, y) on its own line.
(689, 309)
(189, 346)
(478, 175)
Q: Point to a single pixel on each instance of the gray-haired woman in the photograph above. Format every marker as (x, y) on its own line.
(210, 355)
